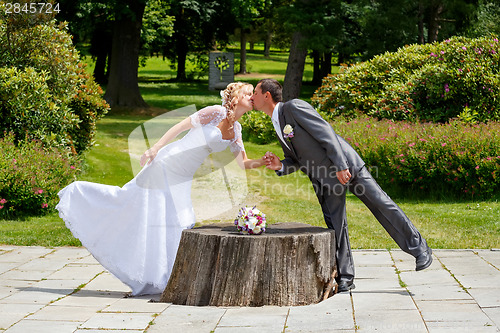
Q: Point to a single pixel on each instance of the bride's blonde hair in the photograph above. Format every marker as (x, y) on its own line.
(231, 96)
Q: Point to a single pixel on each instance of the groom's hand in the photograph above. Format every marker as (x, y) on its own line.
(343, 176)
(272, 161)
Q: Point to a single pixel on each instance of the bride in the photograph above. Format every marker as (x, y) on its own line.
(134, 231)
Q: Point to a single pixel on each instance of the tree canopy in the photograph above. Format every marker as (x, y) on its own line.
(332, 31)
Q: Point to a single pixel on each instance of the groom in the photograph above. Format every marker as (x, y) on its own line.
(311, 145)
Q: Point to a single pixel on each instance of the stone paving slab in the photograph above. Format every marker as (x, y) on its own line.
(187, 319)
(115, 321)
(67, 290)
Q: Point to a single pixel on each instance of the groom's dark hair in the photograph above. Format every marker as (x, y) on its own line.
(274, 87)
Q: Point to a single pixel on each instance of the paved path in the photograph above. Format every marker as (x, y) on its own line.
(66, 290)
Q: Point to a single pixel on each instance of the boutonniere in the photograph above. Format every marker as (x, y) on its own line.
(288, 131)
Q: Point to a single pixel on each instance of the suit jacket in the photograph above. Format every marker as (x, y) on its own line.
(315, 147)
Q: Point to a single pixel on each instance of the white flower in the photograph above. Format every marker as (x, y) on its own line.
(252, 223)
(288, 129)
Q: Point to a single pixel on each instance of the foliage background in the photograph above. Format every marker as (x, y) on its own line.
(459, 77)
(424, 117)
(49, 107)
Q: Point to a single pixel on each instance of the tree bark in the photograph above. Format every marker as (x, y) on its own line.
(243, 52)
(181, 59)
(290, 264)
(123, 86)
(295, 69)
(435, 12)
(267, 44)
(316, 67)
(326, 65)
(181, 45)
(421, 15)
(100, 48)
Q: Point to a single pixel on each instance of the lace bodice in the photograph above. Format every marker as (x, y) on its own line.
(212, 116)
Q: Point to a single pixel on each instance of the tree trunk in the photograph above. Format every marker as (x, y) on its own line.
(243, 52)
(434, 18)
(295, 69)
(123, 87)
(421, 15)
(100, 48)
(181, 45)
(267, 44)
(100, 68)
(181, 59)
(290, 264)
(316, 67)
(342, 57)
(326, 65)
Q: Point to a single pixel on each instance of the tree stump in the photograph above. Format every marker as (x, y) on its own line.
(290, 264)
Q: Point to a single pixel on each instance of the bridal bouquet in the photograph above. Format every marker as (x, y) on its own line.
(250, 221)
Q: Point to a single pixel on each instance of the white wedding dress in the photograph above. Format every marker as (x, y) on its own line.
(134, 230)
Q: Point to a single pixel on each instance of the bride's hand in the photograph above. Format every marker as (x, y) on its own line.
(272, 161)
(148, 156)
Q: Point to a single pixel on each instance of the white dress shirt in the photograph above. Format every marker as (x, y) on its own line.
(276, 123)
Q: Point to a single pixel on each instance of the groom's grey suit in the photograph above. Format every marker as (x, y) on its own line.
(319, 152)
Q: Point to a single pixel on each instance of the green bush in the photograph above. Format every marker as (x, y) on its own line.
(27, 106)
(459, 77)
(453, 160)
(31, 176)
(257, 128)
(45, 92)
(88, 106)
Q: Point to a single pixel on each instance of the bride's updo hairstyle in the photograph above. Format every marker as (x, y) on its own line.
(231, 96)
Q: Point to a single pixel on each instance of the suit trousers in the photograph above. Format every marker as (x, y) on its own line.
(385, 210)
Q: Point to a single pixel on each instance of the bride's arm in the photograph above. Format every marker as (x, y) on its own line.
(251, 164)
(240, 154)
(175, 130)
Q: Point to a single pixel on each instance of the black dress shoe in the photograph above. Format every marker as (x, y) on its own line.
(424, 260)
(345, 286)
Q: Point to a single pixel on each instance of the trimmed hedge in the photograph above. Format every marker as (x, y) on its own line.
(457, 78)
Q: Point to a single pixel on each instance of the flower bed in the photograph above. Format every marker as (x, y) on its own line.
(31, 176)
(453, 160)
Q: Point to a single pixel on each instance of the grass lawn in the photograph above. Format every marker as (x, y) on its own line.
(288, 198)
